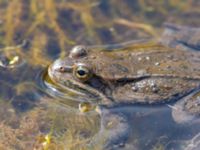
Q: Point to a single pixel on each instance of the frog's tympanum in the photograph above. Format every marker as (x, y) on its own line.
(149, 72)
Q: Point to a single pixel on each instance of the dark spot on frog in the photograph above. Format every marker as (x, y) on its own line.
(96, 83)
(119, 68)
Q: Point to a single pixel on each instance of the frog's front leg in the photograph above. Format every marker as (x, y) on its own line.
(115, 129)
(187, 110)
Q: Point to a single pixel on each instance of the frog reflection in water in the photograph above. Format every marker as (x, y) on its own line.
(163, 71)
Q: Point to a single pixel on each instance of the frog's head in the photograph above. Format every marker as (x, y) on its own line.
(74, 67)
(77, 74)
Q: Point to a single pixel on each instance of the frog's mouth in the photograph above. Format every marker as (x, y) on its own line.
(74, 90)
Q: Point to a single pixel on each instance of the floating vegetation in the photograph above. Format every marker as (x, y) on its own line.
(6, 62)
(86, 107)
(10, 61)
(9, 56)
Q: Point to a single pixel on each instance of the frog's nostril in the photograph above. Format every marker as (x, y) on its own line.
(62, 69)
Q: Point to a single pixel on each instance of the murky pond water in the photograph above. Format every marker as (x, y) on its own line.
(37, 114)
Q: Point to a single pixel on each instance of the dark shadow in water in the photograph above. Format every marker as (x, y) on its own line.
(143, 127)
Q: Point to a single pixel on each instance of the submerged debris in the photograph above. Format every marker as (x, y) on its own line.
(86, 107)
(10, 61)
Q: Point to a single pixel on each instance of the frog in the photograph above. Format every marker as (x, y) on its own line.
(147, 72)
(141, 72)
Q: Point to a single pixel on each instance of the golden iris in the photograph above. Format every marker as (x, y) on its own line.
(82, 73)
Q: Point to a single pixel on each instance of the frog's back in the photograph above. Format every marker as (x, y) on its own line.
(145, 61)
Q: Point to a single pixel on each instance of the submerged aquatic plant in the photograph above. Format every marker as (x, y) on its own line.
(53, 26)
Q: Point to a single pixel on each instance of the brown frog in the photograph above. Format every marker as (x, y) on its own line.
(147, 72)
(164, 71)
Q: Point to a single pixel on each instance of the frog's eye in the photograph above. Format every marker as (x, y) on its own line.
(82, 73)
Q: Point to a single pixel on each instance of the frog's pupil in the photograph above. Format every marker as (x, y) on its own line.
(81, 72)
